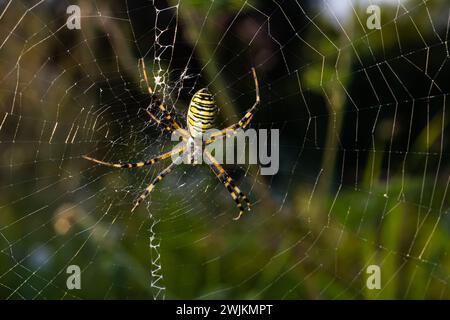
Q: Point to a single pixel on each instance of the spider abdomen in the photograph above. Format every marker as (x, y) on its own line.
(202, 113)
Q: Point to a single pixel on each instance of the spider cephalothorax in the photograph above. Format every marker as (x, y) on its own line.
(201, 116)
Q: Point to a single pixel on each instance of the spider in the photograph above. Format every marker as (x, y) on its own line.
(201, 114)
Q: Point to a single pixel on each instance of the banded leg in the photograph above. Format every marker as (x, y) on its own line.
(239, 198)
(150, 188)
(245, 120)
(164, 156)
(168, 128)
(174, 124)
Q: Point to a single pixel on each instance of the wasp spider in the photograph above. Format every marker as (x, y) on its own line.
(200, 117)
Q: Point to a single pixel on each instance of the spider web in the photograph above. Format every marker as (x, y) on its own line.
(363, 177)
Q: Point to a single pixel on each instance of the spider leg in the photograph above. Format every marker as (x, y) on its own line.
(167, 116)
(150, 188)
(141, 163)
(142, 65)
(183, 132)
(159, 122)
(173, 123)
(238, 196)
(245, 120)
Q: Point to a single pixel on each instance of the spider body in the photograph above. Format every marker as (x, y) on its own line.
(202, 113)
(201, 116)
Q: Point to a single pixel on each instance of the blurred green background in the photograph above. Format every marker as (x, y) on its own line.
(364, 159)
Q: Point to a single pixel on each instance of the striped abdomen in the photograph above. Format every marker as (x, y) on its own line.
(202, 112)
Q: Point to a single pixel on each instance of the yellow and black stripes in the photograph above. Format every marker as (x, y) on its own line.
(238, 196)
(167, 115)
(202, 112)
(149, 162)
